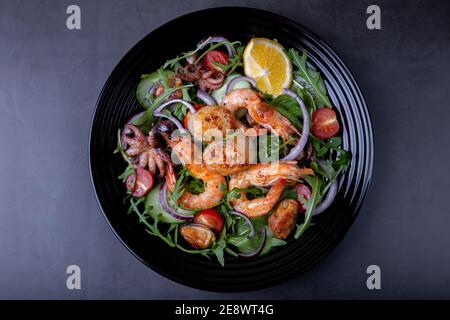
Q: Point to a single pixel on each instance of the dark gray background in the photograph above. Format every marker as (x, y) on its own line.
(50, 78)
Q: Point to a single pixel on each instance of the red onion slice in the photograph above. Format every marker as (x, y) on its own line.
(165, 205)
(227, 44)
(326, 203)
(295, 152)
(170, 102)
(206, 98)
(233, 81)
(247, 220)
(258, 250)
(331, 194)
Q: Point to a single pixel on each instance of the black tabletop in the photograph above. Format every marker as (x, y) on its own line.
(50, 79)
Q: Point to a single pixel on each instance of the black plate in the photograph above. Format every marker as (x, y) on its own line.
(117, 102)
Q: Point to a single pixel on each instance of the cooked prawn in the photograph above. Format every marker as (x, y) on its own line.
(213, 194)
(213, 182)
(263, 175)
(262, 113)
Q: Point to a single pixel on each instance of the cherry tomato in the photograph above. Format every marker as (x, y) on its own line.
(303, 193)
(324, 123)
(210, 218)
(142, 185)
(215, 56)
(197, 106)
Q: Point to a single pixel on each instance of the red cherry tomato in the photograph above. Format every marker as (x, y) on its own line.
(303, 193)
(142, 185)
(197, 106)
(215, 56)
(210, 218)
(325, 123)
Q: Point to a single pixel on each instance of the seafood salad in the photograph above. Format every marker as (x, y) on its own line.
(237, 147)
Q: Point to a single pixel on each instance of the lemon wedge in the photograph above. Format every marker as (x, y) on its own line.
(266, 61)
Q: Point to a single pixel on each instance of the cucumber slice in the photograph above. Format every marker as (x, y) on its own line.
(154, 209)
(220, 93)
(143, 89)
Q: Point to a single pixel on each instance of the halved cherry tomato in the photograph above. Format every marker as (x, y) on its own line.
(210, 218)
(215, 56)
(197, 106)
(142, 185)
(303, 193)
(324, 123)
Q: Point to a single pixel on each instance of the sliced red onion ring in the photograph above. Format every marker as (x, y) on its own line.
(170, 102)
(206, 98)
(233, 81)
(295, 152)
(258, 250)
(247, 220)
(171, 118)
(331, 194)
(230, 48)
(326, 203)
(165, 205)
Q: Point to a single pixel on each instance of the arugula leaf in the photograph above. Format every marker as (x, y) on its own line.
(195, 185)
(322, 147)
(287, 103)
(219, 246)
(179, 187)
(271, 242)
(306, 96)
(151, 228)
(342, 161)
(180, 111)
(244, 244)
(315, 182)
(311, 78)
(288, 107)
(233, 62)
(129, 170)
(217, 249)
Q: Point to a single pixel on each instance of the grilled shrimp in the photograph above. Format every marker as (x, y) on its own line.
(263, 175)
(262, 113)
(213, 194)
(266, 174)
